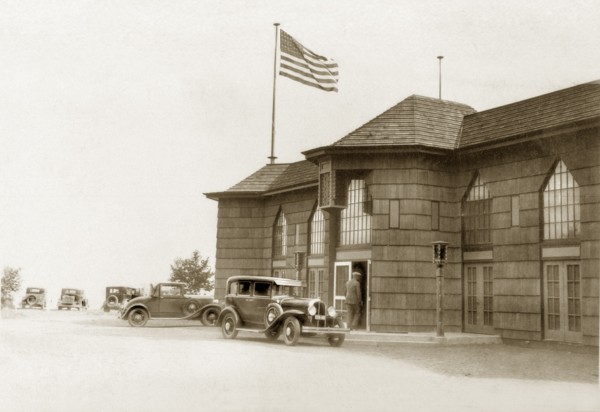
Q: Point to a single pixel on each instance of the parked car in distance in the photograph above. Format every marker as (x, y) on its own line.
(34, 298)
(72, 299)
(169, 301)
(118, 296)
(267, 305)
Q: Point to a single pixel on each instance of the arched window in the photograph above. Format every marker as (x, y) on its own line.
(317, 232)
(561, 205)
(477, 212)
(280, 236)
(355, 224)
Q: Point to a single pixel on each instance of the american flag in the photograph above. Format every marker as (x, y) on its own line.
(300, 64)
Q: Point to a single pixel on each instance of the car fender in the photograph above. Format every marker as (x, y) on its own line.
(225, 311)
(211, 306)
(281, 318)
(137, 305)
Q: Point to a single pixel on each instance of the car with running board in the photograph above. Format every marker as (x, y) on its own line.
(169, 301)
(269, 306)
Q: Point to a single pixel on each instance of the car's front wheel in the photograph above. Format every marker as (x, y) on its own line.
(338, 339)
(229, 326)
(138, 317)
(291, 331)
(209, 317)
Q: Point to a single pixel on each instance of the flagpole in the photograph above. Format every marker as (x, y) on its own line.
(440, 76)
(272, 157)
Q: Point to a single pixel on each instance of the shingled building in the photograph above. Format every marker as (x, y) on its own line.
(515, 191)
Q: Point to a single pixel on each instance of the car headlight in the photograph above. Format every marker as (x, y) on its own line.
(331, 312)
(312, 310)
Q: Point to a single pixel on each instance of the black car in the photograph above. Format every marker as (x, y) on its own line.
(169, 301)
(118, 296)
(269, 306)
(34, 298)
(72, 299)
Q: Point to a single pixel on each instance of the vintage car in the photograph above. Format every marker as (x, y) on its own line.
(268, 305)
(72, 299)
(34, 298)
(118, 296)
(169, 301)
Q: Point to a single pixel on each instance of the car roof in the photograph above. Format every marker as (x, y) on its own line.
(277, 281)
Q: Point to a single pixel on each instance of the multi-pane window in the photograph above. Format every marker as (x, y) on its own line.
(488, 296)
(561, 205)
(317, 233)
(477, 209)
(280, 236)
(315, 283)
(355, 224)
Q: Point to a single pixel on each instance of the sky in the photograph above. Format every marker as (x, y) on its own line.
(117, 115)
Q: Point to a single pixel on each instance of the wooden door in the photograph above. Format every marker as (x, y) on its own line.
(479, 298)
(340, 277)
(562, 301)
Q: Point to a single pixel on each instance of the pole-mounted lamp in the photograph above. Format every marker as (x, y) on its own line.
(440, 257)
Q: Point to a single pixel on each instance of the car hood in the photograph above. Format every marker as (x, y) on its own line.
(289, 302)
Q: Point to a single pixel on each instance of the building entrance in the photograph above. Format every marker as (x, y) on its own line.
(343, 272)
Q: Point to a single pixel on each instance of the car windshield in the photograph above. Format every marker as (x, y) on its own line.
(170, 291)
(285, 290)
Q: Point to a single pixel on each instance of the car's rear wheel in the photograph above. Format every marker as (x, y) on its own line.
(337, 340)
(291, 331)
(138, 317)
(229, 326)
(210, 317)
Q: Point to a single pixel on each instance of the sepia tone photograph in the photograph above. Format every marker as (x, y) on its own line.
(315, 206)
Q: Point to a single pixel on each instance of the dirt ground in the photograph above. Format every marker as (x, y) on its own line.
(93, 361)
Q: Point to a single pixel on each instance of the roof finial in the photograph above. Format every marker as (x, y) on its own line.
(440, 59)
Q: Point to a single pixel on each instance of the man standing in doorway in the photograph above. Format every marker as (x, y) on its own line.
(353, 300)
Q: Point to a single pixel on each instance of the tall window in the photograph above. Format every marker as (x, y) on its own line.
(317, 233)
(355, 224)
(561, 205)
(280, 236)
(477, 209)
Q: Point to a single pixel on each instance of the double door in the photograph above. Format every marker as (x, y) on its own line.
(479, 298)
(562, 301)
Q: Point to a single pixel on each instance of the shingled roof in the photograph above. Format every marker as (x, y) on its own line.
(415, 121)
(567, 106)
(273, 177)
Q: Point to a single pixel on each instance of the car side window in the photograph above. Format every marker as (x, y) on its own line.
(233, 288)
(167, 291)
(244, 288)
(262, 289)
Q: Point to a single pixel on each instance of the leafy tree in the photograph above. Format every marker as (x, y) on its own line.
(11, 282)
(194, 272)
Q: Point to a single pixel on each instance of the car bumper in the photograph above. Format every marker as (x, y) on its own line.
(324, 331)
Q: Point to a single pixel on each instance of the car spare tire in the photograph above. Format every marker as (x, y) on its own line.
(190, 306)
(31, 299)
(112, 300)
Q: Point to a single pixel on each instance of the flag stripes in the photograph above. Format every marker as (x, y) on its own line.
(302, 65)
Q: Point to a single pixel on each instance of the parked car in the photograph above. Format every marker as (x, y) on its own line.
(118, 296)
(72, 299)
(269, 306)
(169, 301)
(34, 298)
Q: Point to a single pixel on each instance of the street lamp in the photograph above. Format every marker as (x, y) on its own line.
(440, 256)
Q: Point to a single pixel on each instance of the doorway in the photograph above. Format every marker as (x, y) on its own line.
(479, 298)
(342, 273)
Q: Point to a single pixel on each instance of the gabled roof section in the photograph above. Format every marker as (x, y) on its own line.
(415, 121)
(563, 107)
(272, 178)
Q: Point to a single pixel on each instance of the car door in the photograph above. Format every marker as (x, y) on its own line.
(244, 302)
(261, 298)
(171, 301)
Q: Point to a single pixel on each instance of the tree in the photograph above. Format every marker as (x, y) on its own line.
(11, 282)
(194, 272)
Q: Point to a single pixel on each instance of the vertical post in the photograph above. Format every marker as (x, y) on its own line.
(272, 157)
(440, 76)
(439, 313)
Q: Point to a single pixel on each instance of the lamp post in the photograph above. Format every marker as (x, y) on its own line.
(440, 254)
